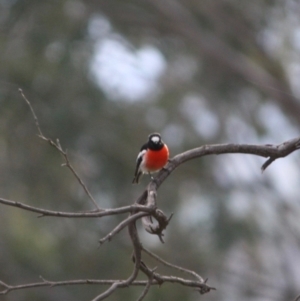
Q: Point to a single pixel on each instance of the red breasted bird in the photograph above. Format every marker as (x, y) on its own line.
(152, 157)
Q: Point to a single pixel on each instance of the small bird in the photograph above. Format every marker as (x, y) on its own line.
(152, 157)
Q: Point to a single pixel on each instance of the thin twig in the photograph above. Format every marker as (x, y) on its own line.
(32, 112)
(122, 225)
(201, 286)
(137, 263)
(69, 165)
(173, 266)
(60, 150)
(147, 287)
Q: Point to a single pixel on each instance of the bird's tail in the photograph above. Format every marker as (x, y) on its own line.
(137, 178)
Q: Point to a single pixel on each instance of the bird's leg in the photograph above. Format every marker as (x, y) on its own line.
(151, 177)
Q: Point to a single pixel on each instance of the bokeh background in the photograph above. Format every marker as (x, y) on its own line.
(101, 76)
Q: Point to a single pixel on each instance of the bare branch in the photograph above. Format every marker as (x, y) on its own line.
(70, 166)
(32, 112)
(87, 214)
(270, 151)
(147, 287)
(137, 263)
(121, 284)
(47, 283)
(145, 208)
(148, 197)
(267, 163)
(173, 266)
(122, 225)
(201, 286)
(60, 150)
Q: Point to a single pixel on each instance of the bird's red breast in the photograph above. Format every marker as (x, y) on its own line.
(156, 159)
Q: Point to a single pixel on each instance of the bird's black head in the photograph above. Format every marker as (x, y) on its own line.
(155, 142)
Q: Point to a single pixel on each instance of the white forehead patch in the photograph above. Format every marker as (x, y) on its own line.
(155, 139)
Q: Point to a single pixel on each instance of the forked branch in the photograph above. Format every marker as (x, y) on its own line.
(146, 209)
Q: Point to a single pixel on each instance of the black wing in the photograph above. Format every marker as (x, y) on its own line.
(139, 160)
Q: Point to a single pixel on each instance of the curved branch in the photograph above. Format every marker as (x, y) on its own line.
(122, 225)
(270, 151)
(137, 250)
(173, 266)
(148, 197)
(147, 287)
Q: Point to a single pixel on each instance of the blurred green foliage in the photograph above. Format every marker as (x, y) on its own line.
(229, 70)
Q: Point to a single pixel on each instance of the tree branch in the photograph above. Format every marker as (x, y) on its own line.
(270, 151)
(173, 266)
(121, 284)
(57, 146)
(137, 263)
(148, 197)
(145, 208)
(46, 283)
(147, 287)
(122, 225)
(87, 214)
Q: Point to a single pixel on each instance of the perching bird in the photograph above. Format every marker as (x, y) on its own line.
(152, 157)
